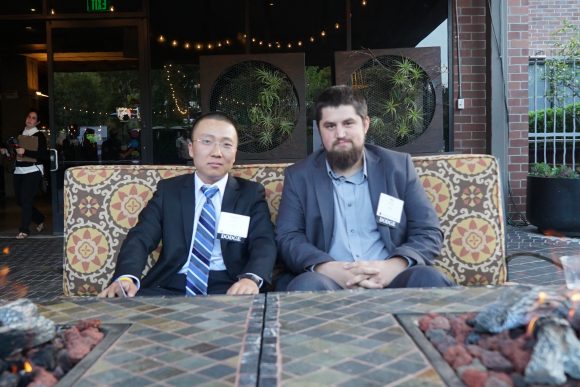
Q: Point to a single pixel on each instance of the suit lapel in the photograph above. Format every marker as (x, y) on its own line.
(376, 171)
(325, 196)
(188, 207)
(231, 195)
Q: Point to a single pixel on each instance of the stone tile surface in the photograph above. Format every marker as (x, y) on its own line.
(148, 352)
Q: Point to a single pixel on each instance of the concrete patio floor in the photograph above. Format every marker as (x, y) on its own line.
(33, 267)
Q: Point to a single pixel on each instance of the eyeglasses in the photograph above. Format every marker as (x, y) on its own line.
(227, 145)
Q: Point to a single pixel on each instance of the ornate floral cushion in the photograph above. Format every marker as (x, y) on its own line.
(103, 202)
(465, 191)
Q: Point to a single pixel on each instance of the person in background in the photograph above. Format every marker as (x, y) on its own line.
(216, 230)
(182, 145)
(31, 153)
(355, 215)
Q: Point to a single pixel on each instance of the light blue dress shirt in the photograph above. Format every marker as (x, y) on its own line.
(356, 236)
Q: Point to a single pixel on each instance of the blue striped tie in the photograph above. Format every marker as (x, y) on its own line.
(198, 269)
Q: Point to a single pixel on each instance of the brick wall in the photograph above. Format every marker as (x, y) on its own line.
(470, 125)
(471, 128)
(545, 17)
(517, 78)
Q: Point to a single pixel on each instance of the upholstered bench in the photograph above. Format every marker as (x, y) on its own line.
(103, 202)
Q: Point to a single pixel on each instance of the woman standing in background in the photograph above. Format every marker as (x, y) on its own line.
(30, 156)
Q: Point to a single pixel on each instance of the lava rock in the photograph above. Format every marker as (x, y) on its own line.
(497, 379)
(495, 361)
(474, 378)
(440, 322)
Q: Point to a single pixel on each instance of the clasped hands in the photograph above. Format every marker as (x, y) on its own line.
(363, 274)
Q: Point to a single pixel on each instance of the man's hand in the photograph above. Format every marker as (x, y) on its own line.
(338, 272)
(244, 286)
(114, 290)
(386, 271)
(20, 151)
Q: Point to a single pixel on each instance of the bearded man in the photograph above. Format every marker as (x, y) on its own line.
(355, 215)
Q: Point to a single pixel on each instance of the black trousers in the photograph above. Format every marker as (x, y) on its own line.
(218, 283)
(25, 187)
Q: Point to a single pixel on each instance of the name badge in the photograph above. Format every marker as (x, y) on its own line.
(389, 210)
(233, 227)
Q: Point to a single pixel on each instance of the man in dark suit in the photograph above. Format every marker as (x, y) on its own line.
(240, 252)
(355, 215)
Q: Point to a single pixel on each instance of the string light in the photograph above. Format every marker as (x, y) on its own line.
(178, 105)
(255, 40)
(85, 111)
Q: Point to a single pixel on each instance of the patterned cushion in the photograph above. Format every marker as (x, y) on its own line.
(103, 202)
(465, 191)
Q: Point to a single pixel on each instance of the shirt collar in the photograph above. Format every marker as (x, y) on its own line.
(30, 132)
(220, 184)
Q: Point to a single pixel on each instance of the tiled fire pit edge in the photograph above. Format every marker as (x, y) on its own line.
(409, 323)
(112, 333)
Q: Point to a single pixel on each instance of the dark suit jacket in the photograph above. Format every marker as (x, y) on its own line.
(168, 217)
(306, 218)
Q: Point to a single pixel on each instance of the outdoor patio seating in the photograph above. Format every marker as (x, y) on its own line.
(103, 202)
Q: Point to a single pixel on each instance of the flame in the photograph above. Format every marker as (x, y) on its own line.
(542, 297)
(20, 290)
(27, 366)
(575, 297)
(4, 270)
(553, 233)
(532, 325)
(6, 250)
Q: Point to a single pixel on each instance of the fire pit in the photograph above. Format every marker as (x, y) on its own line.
(516, 341)
(35, 351)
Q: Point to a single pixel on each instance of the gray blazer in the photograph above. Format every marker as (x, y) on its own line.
(306, 217)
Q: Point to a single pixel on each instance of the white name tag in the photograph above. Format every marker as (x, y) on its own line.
(389, 210)
(233, 227)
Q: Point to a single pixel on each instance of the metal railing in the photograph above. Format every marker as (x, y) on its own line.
(554, 119)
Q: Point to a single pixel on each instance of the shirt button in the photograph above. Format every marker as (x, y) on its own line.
(349, 204)
(352, 230)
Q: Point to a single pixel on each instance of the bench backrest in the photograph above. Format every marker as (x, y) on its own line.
(102, 203)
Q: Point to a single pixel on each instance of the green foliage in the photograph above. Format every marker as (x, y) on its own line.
(399, 113)
(547, 116)
(546, 170)
(560, 73)
(272, 118)
(317, 80)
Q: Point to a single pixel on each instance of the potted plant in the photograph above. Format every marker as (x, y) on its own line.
(553, 199)
(553, 191)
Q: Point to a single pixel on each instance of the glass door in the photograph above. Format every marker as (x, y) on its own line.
(96, 101)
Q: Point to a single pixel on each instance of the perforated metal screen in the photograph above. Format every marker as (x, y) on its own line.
(400, 96)
(262, 100)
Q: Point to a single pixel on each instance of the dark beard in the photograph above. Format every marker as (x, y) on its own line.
(343, 160)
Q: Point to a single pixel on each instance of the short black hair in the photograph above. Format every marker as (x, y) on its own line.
(219, 116)
(338, 95)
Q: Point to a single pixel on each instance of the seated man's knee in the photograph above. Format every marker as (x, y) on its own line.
(312, 281)
(421, 277)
